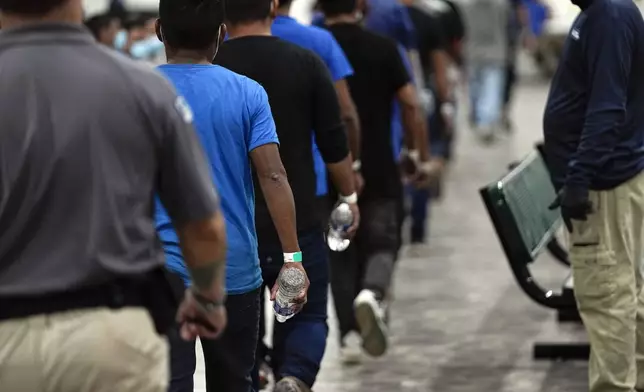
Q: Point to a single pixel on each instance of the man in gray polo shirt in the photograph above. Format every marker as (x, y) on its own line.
(87, 138)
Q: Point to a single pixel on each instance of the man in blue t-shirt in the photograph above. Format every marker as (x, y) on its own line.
(322, 43)
(233, 120)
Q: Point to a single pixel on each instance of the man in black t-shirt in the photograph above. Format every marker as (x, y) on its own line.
(303, 100)
(452, 26)
(433, 49)
(362, 274)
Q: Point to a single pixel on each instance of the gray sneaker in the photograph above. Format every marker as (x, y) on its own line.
(370, 317)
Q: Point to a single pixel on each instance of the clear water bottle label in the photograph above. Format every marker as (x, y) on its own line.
(286, 310)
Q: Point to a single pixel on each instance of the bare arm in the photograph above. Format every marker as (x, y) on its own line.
(440, 62)
(342, 176)
(277, 193)
(414, 123)
(349, 116)
(417, 68)
(330, 135)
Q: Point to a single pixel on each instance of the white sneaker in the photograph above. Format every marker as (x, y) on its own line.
(350, 352)
(370, 318)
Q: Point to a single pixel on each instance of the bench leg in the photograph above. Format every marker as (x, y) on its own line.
(561, 351)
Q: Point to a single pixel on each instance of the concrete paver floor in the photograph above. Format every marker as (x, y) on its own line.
(459, 322)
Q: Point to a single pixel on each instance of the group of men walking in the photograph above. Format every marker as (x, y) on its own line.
(129, 212)
(101, 159)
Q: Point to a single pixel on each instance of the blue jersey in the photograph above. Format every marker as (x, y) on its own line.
(229, 129)
(322, 43)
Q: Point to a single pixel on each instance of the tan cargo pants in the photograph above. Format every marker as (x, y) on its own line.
(606, 253)
(98, 350)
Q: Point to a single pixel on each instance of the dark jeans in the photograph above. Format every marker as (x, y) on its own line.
(440, 147)
(369, 262)
(229, 359)
(299, 343)
(420, 199)
(510, 73)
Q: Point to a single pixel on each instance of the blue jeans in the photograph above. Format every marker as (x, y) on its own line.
(299, 343)
(486, 85)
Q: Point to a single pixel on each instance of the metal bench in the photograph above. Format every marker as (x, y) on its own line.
(518, 207)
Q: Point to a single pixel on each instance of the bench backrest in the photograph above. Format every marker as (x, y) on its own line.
(518, 205)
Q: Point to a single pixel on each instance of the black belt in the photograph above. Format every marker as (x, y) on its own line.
(117, 294)
(153, 291)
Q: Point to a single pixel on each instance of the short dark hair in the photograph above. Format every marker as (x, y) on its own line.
(134, 21)
(30, 7)
(190, 24)
(285, 3)
(337, 7)
(241, 11)
(98, 23)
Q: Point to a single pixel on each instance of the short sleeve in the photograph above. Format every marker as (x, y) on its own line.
(262, 126)
(456, 20)
(337, 61)
(185, 184)
(434, 34)
(397, 71)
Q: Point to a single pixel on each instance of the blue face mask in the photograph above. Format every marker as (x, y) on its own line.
(120, 40)
(147, 48)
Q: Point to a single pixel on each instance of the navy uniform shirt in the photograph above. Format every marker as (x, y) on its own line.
(594, 117)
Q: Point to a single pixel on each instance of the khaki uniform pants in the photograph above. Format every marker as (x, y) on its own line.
(606, 253)
(98, 350)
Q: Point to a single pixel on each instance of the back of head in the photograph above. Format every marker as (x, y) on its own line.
(332, 8)
(190, 24)
(245, 11)
(96, 24)
(30, 7)
(135, 21)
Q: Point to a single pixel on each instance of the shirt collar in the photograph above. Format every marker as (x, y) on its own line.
(46, 32)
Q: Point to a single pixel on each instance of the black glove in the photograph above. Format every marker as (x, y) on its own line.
(574, 204)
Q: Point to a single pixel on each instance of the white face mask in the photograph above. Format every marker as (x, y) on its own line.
(120, 40)
(146, 48)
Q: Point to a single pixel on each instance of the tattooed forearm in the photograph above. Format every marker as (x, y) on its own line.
(205, 275)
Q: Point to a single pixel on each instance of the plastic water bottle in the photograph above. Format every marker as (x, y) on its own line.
(340, 221)
(291, 283)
